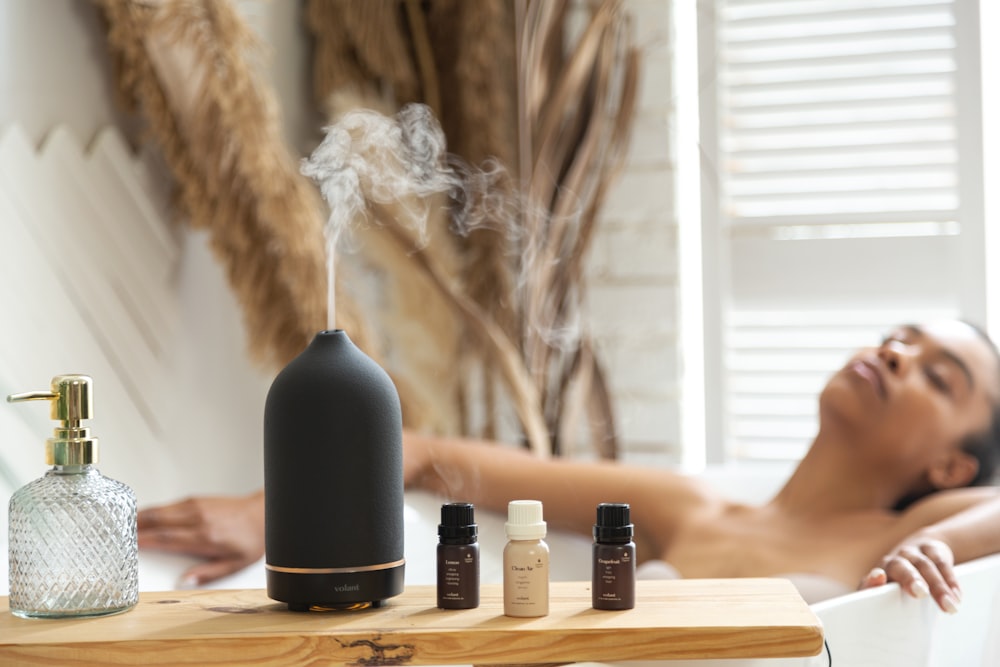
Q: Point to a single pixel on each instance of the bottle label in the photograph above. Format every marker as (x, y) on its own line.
(614, 577)
(458, 577)
(526, 580)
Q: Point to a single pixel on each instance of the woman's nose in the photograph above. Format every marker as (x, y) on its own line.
(894, 355)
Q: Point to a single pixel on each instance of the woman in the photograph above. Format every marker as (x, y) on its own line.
(880, 496)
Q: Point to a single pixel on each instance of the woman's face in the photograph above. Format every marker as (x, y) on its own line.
(916, 397)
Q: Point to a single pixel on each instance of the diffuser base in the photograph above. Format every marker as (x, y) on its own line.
(335, 591)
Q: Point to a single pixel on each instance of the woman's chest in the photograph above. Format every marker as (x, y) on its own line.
(751, 543)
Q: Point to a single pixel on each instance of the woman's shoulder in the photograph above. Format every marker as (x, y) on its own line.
(942, 504)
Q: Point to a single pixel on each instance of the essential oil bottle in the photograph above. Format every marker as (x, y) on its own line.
(458, 558)
(525, 561)
(613, 585)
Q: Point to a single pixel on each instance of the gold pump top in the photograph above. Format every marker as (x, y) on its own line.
(71, 399)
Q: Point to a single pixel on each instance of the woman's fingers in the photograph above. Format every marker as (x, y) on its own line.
(925, 569)
(189, 541)
(938, 569)
(902, 570)
(210, 570)
(184, 513)
(179, 527)
(940, 561)
(877, 577)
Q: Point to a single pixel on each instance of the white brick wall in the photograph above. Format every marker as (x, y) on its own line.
(632, 302)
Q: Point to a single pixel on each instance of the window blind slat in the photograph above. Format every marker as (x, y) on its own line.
(840, 158)
(854, 26)
(831, 119)
(868, 138)
(820, 319)
(931, 86)
(773, 226)
(746, 87)
(865, 209)
(745, 10)
(836, 64)
(872, 46)
(858, 180)
(805, 110)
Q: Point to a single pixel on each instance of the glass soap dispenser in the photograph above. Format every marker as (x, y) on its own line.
(73, 546)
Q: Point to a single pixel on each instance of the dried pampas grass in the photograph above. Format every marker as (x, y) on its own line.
(187, 66)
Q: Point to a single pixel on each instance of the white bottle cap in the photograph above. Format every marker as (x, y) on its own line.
(524, 520)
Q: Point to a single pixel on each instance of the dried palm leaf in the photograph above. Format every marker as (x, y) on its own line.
(494, 342)
(581, 121)
(598, 155)
(574, 111)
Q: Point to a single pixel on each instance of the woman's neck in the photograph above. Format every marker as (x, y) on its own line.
(829, 480)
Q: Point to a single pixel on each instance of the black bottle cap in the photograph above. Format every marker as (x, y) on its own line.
(613, 524)
(458, 522)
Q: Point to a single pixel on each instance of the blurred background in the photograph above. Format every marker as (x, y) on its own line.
(751, 189)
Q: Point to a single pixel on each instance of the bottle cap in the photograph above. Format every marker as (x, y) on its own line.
(458, 522)
(71, 443)
(524, 520)
(613, 523)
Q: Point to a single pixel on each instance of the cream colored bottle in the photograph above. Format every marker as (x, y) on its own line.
(525, 561)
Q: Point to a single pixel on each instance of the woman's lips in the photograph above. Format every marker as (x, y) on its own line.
(871, 373)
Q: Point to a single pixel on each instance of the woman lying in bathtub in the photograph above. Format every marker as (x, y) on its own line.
(880, 496)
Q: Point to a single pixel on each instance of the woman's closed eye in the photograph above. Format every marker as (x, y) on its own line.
(938, 380)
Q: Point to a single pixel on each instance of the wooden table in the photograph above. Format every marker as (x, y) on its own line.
(707, 618)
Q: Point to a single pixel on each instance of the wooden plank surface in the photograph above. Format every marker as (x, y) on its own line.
(706, 618)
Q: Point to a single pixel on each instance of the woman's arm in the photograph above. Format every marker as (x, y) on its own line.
(491, 475)
(229, 531)
(971, 526)
(950, 527)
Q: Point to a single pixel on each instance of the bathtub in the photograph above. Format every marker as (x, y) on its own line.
(878, 628)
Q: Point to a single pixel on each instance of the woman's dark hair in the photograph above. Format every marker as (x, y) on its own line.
(984, 445)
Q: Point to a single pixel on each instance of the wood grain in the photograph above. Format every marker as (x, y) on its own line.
(707, 618)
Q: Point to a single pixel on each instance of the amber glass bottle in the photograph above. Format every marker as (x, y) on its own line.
(458, 558)
(614, 558)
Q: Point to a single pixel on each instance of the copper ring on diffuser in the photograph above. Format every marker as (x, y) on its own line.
(334, 570)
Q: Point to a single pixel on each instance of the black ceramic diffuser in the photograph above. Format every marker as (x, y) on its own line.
(333, 480)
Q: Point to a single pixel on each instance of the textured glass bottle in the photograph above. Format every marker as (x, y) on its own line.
(73, 547)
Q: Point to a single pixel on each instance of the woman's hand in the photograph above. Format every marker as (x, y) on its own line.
(922, 566)
(227, 531)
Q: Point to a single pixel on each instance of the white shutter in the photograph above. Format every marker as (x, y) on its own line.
(848, 197)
